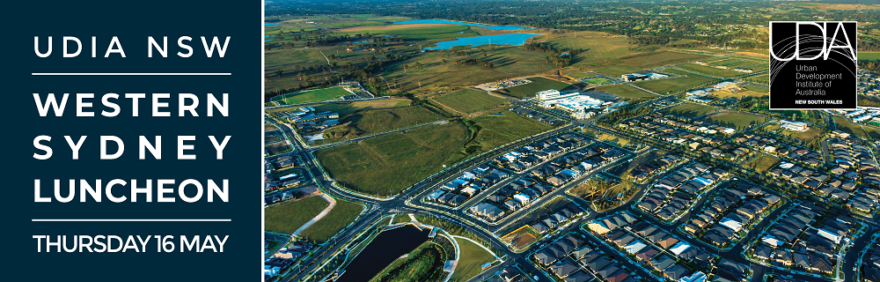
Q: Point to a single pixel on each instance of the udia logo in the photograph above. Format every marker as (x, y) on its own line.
(813, 65)
(806, 41)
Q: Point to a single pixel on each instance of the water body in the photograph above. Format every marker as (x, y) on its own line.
(268, 24)
(383, 250)
(492, 27)
(502, 39)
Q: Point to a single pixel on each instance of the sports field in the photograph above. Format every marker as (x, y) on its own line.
(735, 119)
(617, 70)
(288, 216)
(339, 217)
(626, 92)
(690, 110)
(469, 101)
(312, 96)
(538, 84)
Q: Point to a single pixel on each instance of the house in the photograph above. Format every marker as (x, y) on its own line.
(487, 210)
(762, 252)
(698, 276)
(609, 271)
(598, 264)
(540, 227)
(676, 272)
(619, 276)
(679, 248)
(821, 264)
(662, 262)
(556, 181)
(578, 276)
(634, 247)
(801, 261)
(563, 268)
(580, 253)
(457, 200)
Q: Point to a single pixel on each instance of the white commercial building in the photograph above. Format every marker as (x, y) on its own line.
(794, 125)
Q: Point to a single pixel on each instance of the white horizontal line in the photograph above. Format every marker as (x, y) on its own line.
(130, 73)
(131, 220)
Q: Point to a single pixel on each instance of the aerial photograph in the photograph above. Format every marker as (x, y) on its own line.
(560, 140)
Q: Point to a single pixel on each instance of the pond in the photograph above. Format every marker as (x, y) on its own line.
(501, 39)
(382, 251)
(492, 27)
(268, 24)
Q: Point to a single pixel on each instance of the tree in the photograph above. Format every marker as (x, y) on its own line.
(279, 72)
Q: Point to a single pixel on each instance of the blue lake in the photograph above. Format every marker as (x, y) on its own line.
(268, 24)
(492, 27)
(502, 39)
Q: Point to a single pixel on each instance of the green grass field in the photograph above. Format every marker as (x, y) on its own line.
(472, 258)
(346, 109)
(368, 122)
(618, 70)
(416, 33)
(425, 263)
(401, 218)
(869, 56)
(538, 84)
(494, 130)
(708, 70)
(735, 119)
(690, 110)
(312, 96)
(863, 132)
(762, 164)
(806, 136)
(339, 217)
(625, 92)
(675, 85)
(288, 216)
(597, 80)
(435, 75)
(388, 164)
(470, 101)
(576, 74)
(601, 46)
(657, 59)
